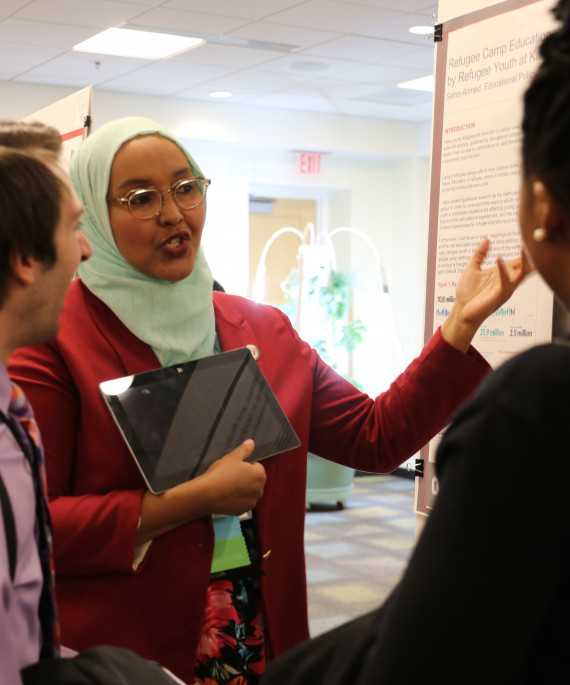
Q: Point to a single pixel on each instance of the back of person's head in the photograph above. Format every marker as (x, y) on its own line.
(22, 135)
(546, 121)
(30, 196)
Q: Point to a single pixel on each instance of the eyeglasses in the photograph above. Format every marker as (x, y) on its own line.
(146, 203)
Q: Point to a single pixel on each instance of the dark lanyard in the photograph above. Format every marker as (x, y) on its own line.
(7, 511)
(9, 528)
(46, 607)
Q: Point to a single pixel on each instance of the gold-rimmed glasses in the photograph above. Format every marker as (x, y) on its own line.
(146, 203)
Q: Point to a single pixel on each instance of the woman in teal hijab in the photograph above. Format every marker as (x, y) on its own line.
(149, 267)
(135, 568)
(176, 318)
(145, 205)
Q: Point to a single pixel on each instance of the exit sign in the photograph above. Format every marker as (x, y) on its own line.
(308, 163)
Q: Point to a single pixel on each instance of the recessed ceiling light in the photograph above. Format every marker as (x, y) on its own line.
(139, 44)
(309, 66)
(220, 94)
(422, 30)
(425, 83)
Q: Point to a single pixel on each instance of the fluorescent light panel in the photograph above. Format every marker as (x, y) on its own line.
(139, 44)
(425, 83)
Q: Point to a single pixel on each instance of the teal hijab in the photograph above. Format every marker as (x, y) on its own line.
(175, 319)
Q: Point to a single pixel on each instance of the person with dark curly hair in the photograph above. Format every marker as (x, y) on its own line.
(484, 597)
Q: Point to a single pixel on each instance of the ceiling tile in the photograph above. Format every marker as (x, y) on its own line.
(297, 66)
(36, 33)
(398, 30)
(147, 3)
(16, 60)
(333, 16)
(247, 84)
(80, 69)
(297, 100)
(52, 78)
(344, 90)
(246, 9)
(281, 33)
(358, 49)
(102, 14)
(407, 6)
(418, 59)
(429, 11)
(226, 56)
(181, 71)
(163, 78)
(344, 51)
(240, 93)
(179, 20)
(9, 6)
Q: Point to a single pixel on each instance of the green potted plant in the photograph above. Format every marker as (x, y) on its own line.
(337, 337)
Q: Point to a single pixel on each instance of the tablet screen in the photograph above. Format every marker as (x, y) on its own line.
(179, 419)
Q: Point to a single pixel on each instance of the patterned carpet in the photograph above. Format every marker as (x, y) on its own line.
(356, 555)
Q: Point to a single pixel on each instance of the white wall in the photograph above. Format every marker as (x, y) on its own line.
(224, 121)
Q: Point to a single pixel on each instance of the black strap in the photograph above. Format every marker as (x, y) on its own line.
(7, 511)
(30, 452)
(9, 527)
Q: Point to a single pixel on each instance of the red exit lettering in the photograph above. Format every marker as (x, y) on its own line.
(310, 163)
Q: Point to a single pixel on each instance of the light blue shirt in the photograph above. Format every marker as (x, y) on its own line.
(20, 632)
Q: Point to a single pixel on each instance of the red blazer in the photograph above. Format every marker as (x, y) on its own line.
(95, 488)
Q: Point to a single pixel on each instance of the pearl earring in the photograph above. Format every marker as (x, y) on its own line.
(539, 235)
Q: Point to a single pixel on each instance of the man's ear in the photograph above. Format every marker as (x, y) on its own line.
(548, 213)
(24, 269)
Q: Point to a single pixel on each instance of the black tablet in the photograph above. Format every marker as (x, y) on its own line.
(179, 419)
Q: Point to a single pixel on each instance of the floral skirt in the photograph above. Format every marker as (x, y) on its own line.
(231, 648)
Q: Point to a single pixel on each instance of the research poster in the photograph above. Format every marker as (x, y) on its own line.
(71, 116)
(484, 62)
